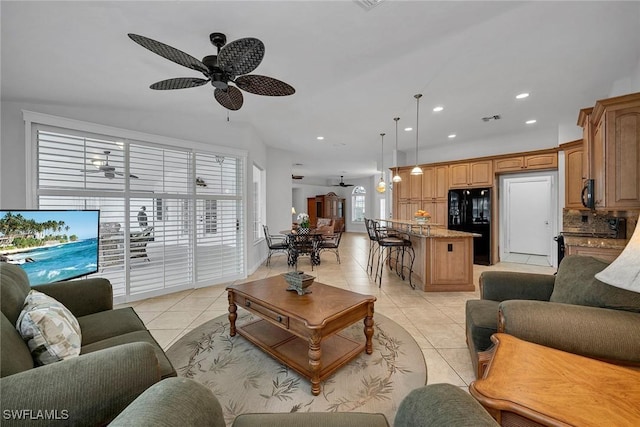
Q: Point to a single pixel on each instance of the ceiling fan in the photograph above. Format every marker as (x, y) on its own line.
(231, 65)
(104, 167)
(341, 183)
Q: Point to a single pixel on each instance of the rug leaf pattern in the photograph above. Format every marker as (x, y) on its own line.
(245, 379)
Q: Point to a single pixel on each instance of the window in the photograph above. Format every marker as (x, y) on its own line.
(383, 208)
(178, 211)
(358, 202)
(259, 202)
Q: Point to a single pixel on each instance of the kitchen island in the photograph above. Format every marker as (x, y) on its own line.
(444, 258)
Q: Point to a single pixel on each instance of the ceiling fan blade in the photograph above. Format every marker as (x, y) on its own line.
(90, 170)
(121, 174)
(263, 85)
(241, 56)
(178, 83)
(170, 53)
(231, 98)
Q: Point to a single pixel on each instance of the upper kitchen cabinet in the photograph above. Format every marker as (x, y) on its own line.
(522, 163)
(471, 174)
(410, 188)
(584, 121)
(435, 182)
(615, 152)
(573, 176)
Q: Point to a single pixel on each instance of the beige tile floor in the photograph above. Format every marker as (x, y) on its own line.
(435, 320)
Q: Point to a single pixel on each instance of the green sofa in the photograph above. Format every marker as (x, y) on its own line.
(436, 405)
(119, 359)
(570, 311)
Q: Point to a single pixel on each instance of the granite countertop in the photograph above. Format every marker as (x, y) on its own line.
(595, 242)
(414, 228)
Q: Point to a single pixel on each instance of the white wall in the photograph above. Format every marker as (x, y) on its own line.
(279, 200)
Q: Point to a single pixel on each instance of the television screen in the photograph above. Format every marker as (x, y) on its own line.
(50, 245)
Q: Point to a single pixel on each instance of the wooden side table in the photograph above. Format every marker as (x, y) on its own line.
(529, 384)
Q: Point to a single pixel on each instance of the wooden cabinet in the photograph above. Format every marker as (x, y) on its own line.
(534, 161)
(406, 209)
(584, 121)
(606, 254)
(471, 174)
(573, 176)
(437, 209)
(435, 182)
(615, 156)
(410, 188)
(328, 205)
(402, 188)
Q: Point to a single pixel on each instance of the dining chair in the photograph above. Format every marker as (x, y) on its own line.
(275, 242)
(332, 244)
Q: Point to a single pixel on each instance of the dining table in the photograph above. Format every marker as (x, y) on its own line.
(304, 241)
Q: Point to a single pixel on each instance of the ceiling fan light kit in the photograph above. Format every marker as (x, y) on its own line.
(416, 170)
(396, 177)
(104, 167)
(231, 65)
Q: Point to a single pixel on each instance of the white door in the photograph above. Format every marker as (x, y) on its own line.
(529, 216)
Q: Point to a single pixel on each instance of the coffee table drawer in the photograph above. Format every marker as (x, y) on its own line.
(263, 311)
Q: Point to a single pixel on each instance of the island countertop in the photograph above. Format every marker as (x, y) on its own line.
(426, 230)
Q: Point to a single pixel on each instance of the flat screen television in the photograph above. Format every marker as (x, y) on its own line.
(50, 245)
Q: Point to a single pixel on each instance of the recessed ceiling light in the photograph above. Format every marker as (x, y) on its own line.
(320, 138)
(522, 95)
(530, 122)
(408, 129)
(453, 135)
(438, 109)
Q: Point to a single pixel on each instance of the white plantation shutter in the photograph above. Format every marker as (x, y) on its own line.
(219, 217)
(193, 202)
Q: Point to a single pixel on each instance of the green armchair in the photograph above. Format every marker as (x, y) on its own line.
(118, 360)
(570, 311)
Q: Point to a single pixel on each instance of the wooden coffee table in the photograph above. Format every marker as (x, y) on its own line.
(527, 384)
(303, 331)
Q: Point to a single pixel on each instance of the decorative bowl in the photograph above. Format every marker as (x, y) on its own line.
(422, 219)
(298, 281)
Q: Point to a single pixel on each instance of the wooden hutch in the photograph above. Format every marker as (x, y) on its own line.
(328, 205)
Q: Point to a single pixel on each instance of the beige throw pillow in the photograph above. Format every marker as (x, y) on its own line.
(50, 330)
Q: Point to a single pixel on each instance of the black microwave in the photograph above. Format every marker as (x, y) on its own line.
(588, 194)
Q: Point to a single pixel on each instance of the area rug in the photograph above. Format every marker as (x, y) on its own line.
(245, 379)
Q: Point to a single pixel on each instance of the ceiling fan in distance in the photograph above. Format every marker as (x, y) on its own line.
(231, 65)
(341, 183)
(104, 167)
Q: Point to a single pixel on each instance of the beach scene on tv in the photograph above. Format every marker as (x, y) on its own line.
(50, 246)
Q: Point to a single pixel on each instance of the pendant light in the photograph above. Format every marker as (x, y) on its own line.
(382, 186)
(396, 177)
(416, 170)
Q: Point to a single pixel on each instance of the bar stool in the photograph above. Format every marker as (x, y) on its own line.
(373, 244)
(389, 243)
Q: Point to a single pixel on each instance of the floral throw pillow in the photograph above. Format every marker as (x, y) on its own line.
(50, 330)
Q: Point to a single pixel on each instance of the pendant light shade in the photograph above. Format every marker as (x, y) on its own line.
(624, 271)
(396, 177)
(416, 170)
(382, 186)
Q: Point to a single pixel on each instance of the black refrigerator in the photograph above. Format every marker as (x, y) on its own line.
(470, 210)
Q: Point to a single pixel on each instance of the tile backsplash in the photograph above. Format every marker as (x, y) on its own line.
(596, 221)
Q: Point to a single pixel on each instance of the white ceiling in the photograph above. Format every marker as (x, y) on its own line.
(353, 70)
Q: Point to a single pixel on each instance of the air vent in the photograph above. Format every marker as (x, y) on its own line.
(488, 118)
(368, 4)
(297, 176)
